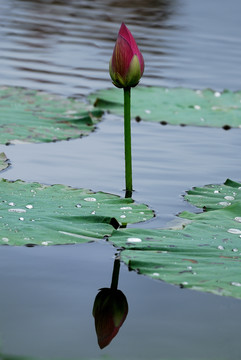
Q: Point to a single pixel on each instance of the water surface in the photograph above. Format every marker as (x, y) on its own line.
(64, 47)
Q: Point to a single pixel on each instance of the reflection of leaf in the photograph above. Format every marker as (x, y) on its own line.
(34, 213)
(205, 255)
(3, 161)
(176, 106)
(35, 116)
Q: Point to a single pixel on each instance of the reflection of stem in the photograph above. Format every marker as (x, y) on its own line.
(127, 134)
(115, 274)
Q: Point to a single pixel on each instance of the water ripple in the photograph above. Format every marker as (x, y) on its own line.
(63, 47)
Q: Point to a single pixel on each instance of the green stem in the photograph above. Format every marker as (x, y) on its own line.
(115, 274)
(127, 135)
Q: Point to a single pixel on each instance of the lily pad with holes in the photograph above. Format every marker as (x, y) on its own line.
(177, 106)
(34, 116)
(204, 255)
(3, 161)
(31, 213)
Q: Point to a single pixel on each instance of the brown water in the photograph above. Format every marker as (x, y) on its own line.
(64, 47)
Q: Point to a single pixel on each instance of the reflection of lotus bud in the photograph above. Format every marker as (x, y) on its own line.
(127, 63)
(110, 310)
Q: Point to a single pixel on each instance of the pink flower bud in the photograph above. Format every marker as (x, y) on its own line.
(110, 310)
(126, 63)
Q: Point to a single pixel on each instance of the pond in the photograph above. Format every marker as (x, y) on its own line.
(47, 293)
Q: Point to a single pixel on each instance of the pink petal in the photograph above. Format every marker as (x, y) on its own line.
(127, 35)
(122, 56)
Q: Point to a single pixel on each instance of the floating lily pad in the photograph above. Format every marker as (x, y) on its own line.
(177, 106)
(213, 197)
(3, 161)
(34, 116)
(204, 255)
(31, 213)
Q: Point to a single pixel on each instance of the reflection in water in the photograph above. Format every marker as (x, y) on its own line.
(110, 310)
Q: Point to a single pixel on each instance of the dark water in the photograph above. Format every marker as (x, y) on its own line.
(64, 47)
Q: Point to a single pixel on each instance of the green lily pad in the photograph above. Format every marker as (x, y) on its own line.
(177, 106)
(213, 197)
(35, 116)
(31, 213)
(204, 255)
(3, 161)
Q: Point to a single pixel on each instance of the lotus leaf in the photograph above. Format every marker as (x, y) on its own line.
(204, 255)
(176, 106)
(35, 116)
(213, 197)
(3, 161)
(31, 213)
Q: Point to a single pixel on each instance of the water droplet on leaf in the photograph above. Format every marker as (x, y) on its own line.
(29, 206)
(134, 240)
(45, 243)
(228, 197)
(224, 203)
(234, 231)
(90, 199)
(17, 210)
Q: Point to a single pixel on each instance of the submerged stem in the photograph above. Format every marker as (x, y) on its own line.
(127, 135)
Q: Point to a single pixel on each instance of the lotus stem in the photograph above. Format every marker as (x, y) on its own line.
(115, 274)
(127, 135)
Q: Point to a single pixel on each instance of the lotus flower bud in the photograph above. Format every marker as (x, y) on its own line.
(126, 63)
(110, 310)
